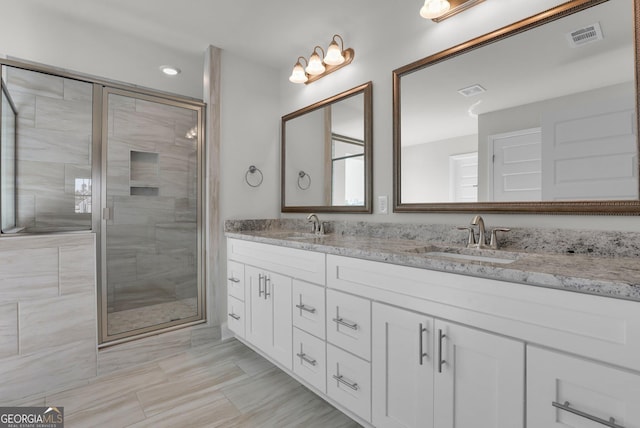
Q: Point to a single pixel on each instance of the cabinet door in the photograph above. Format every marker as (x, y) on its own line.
(576, 385)
(402, 362)
(479, 379)
(278, 293)
(258, 310)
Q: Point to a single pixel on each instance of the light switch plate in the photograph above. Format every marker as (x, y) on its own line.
(383, 205)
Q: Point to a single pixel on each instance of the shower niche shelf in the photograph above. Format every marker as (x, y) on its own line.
(143, 174)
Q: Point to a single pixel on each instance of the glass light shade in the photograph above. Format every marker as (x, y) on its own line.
(334, 55)
(434, 8)
(315, 66)
(298, 75)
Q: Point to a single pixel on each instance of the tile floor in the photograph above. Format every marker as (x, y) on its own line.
(224, 384)
(132, 319)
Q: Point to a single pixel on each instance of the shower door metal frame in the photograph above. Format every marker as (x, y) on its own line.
(100, 223)
(5, 91)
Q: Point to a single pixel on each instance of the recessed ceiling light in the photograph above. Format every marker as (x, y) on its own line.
(170, 70)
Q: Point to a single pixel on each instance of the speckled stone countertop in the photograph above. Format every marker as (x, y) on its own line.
(609, 266)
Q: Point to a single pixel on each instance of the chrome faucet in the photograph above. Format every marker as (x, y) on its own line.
(482, 241)
(318, 226)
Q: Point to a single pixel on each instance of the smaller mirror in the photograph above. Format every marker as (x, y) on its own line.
(327, 155)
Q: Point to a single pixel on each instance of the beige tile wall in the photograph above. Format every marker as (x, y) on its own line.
(48, 314)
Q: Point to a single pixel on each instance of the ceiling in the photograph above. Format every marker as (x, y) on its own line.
(271, 32)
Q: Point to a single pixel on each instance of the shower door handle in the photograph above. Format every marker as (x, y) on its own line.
(106, 213)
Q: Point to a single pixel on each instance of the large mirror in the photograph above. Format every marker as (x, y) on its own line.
(327, 155)
(540, 117)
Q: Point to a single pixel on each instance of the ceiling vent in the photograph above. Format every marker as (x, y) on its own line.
(472, 90)
(582, 36)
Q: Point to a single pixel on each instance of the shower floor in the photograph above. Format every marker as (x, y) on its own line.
(146, 316)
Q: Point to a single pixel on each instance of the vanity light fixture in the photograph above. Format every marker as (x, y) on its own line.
(317, 67)
(439, 10)
(170, 70)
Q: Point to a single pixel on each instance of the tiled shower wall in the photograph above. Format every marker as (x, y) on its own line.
(48, 317)
(53, 147)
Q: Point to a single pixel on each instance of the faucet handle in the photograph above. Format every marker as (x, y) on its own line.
(494, 237)
(472, 236)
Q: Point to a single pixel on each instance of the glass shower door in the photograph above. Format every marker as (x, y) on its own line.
(151, 263)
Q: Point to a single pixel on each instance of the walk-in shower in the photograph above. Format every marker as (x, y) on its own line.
(125, 163)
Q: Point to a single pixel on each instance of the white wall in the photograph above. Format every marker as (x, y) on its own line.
(377, 66)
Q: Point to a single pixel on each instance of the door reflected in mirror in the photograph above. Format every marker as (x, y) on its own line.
(326, 155)
(544, 116)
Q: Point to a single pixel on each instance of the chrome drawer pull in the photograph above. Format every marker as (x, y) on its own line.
(341, 380)
(235, 317)
(610, 423)
(440, 360)
(267, 280)
(232, 279)
(304, 357)
(421, 331)
(341, 321)
(260, 278)
(306, 308)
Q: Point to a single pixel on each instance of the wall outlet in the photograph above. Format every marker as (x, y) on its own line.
(383, 205)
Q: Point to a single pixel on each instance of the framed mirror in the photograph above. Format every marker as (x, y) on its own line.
(537, 117)
(327, 155)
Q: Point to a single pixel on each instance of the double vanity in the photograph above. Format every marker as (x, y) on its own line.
(407, 329)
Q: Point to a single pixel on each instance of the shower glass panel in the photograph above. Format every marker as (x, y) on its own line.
(53, 141)
(8, 121)
(150, 228)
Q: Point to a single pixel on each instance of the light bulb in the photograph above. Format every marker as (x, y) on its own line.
(334, 55)
(434, 8)
(298, 75)
(315, 66)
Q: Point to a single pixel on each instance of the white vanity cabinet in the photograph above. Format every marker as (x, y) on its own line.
(434, 373)
(397, 346)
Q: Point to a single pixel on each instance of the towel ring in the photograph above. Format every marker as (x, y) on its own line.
(301, 176)
(253, 170)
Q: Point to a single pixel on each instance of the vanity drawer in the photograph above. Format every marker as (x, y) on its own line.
(309, 359)
(349, 323)
(235, 279)
(349, 381)
(235, 315)
(308, 308)
(301, 264)
(594, 389)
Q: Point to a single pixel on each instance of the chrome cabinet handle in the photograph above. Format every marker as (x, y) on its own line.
(421, 332)
(306, 308)
(610, 423)
(260, 278)
(341, 321)
(232, 279)
(234, 316)
(341, 380)
(267, 280)
(304, 357)
(441, 336)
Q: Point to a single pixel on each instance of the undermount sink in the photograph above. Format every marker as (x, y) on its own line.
(468, 254)
(302, 236)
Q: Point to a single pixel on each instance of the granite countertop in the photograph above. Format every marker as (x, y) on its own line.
(604, 275)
